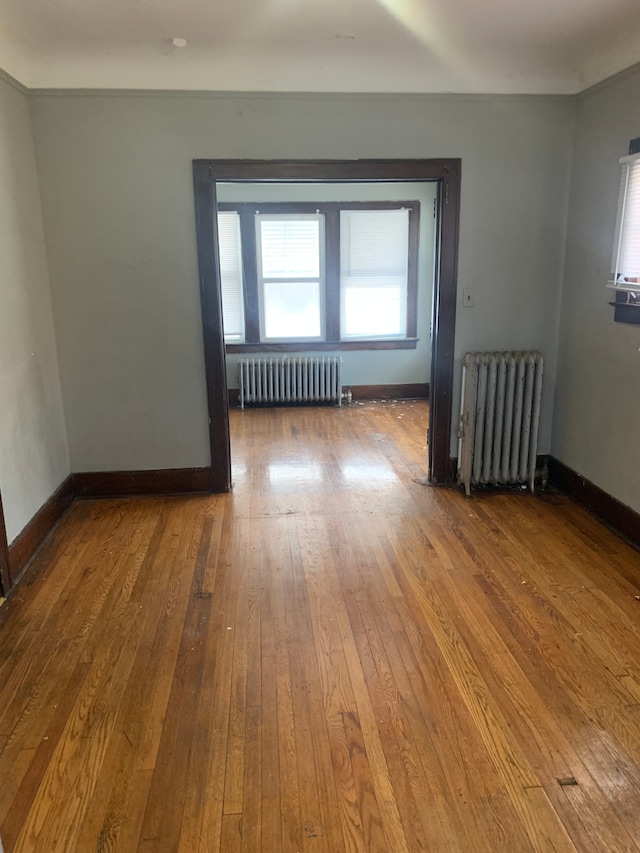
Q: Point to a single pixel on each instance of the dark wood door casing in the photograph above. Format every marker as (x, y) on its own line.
(446, 172)
(212, 331)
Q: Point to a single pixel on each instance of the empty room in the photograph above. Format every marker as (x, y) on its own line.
(319, 386)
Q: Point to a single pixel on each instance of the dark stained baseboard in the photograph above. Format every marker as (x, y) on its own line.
(165, 481)
(407, 391)
(616, 515)
(100, 484)
(5, 578)
(33, 535)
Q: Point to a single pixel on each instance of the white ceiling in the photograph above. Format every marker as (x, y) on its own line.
(501, 46)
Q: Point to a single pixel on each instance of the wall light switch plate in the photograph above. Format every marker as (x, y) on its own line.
(467, 297)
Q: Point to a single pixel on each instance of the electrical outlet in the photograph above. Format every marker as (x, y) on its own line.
(467, 297)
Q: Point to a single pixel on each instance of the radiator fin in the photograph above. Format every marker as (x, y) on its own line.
(499, 418)
(303, 379)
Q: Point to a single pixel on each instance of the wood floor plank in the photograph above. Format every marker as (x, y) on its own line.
(215, 699)
(459, 707)
(72, 774)
(355, 798)
(594, 688)
(412, 721)
(46, 655)
(239, 626)
(271, 820)
(332, 658)
(289, 785)
(117, 811)
(161, 826)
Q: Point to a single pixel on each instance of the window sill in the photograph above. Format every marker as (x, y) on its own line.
(325, 346)
(624, 286)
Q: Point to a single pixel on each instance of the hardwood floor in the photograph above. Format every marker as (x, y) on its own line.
(332, 658)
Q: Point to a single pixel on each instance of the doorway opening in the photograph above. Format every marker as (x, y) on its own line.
(209, 175)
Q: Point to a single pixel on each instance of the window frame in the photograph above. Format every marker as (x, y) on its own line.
(357, 279)
(240, 275)
(263, 280)
(627, 298)
(331, 213)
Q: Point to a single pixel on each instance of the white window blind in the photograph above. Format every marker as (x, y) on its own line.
(374, 256)
(625, 263)
(289, 252)
(231, 276)
(290, 248)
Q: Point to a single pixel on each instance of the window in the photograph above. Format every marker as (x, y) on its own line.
(374, 254)
(290, 279)
(625, 263)
(231, 276)
(332, 275)
(625, 260)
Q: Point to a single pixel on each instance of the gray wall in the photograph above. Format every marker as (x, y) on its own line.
(34, 459)
(118, 203)
(362, 367)
(597, 407)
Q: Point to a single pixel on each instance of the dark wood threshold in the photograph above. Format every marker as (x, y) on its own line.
(616, 515)
(164, 481)
(406, 391)
(29, 541)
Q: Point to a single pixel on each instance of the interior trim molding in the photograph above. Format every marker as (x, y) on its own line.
(256, 95)
(616, 515)
(446, 172)
(162, 481)
(31, 538)
(612, 79)
(13, 81)
(324, 346)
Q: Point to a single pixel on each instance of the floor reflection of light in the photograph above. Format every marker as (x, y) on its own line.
(367, 473)
(238, 471)
(294, 471)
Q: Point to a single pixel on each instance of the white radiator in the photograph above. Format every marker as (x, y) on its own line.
(291, 380)
(499, 418)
